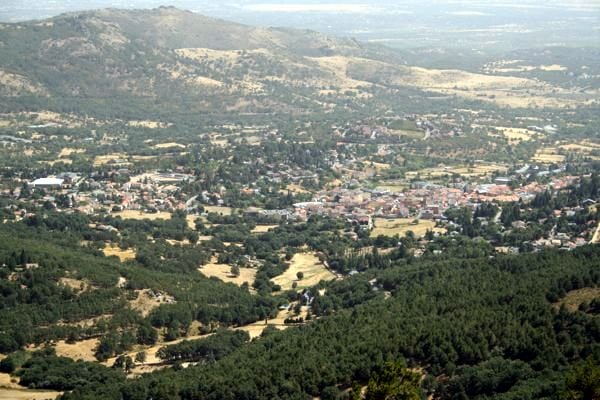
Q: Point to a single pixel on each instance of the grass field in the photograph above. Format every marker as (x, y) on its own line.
(114, 250)
(138, 214)
(575, 297)
(314, 271)
(223, 272)
(393, 226)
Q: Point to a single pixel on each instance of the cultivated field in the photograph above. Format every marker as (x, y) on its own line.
(114, 250)
(548, 155)
(108, 158)
(515, 135)
(138, 214)
(314, 271)
(477, 170)
(223, 272)
(399, 226)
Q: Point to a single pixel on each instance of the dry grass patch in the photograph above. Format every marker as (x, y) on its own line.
(477, 170)
(147, 300)
(255, 329)
(596, 236)
(27, 394)
(223, 272)
(123, 254)
(169, 145)
(399, 226)
(139, 214)
(294, 188)
(314, 271)
(548, 155)
(109, 158)
(191, 221)
(75, 284)
(576, 297)
(218, 210)
(80, 350)
(67, 151)
(263, 228)
(148, 124)
(66, 161)
(517, 134)
(11, 84)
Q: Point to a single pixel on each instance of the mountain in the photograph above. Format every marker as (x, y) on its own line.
(167, 61)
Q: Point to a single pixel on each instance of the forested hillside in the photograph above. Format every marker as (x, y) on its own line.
(481, 329)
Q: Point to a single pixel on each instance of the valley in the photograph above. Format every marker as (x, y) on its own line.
(279, 213)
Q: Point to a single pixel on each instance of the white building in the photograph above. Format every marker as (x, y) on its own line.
(48, 183)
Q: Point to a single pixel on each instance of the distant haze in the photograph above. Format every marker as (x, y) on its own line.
(468, 24)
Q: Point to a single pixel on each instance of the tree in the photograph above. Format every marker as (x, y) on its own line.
(235, 270)
(584, 382)
(140, 357)
(300, 275)
(394, 382)
(124, 362)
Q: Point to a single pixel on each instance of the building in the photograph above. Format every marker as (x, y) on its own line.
(48, 183)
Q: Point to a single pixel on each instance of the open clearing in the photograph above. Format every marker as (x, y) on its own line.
(27, 394)
(218, 210)
(114, 250)
(515, 135)
(169, 145)
(138, 214)
(75, 284)
(263, 228)
(255, 329)
(147, 300)
(399, 226)
(575, 297)
(314, 271)
(191, 221)
(148, 124)
(223, 272)
(67, 151)
(80, 350)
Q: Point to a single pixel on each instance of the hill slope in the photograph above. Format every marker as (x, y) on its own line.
(115, 62)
